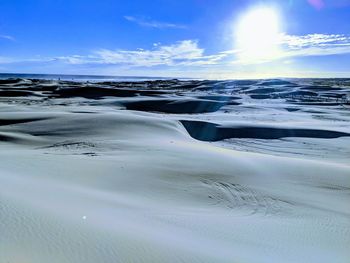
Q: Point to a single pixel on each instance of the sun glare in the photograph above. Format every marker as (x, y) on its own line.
(257, 34)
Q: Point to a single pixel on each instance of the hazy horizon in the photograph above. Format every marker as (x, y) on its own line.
(135, 77)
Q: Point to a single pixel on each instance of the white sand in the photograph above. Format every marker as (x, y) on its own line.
(126, 186)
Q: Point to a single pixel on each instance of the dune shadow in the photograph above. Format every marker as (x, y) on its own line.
(206, 131)
(176, 106)
(4, 122)
(100, 92)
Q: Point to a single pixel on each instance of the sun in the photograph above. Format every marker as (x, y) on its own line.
(257, 34)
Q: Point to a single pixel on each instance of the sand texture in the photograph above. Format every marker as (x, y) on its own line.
(254, 171)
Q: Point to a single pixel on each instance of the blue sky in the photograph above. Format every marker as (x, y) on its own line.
(177, 38)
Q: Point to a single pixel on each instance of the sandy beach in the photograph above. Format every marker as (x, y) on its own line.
(175, 171)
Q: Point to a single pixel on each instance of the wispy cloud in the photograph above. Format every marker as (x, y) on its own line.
(38, 59)
(188, 54)
(146, 22)
(295, 42)
(181, 53)
(293, 46)
(315, 45)
(7, 37)
(6, 60)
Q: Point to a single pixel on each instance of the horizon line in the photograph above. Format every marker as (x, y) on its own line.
(164, 78)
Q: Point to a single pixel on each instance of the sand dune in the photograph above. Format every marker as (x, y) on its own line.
(110, 176)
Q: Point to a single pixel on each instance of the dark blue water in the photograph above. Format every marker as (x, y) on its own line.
(79, 78)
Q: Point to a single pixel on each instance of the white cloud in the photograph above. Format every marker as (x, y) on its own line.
(7, 37)
(321, 50)
(180, 52)
(292, 46)
(315, 45)
(77, 59)
(185, 52)
(188, 55)
(145, 22)
(295, 42)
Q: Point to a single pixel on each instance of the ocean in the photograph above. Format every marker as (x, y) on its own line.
(78, 78)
